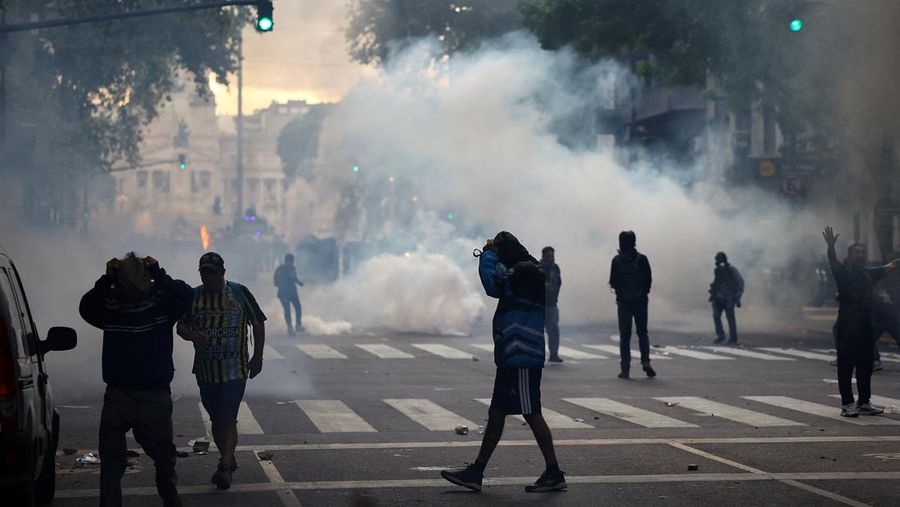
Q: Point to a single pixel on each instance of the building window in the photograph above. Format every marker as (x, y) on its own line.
(270, 185)
(252, 184)
(205, 180)
(142, 179)
(195, 184)
(161, 181)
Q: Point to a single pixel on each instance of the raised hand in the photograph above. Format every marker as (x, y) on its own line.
(829, 235)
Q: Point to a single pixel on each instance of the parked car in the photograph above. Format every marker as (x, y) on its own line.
(29, 423)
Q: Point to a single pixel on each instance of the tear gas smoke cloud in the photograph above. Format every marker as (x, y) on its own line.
(475, 135)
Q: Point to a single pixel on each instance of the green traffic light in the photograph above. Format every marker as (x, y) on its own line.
(356, 168)
(796, 25)
(265, 24)
(182, 166)
(451, 216)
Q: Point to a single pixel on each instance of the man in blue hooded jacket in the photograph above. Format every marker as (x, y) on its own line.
(511, 275)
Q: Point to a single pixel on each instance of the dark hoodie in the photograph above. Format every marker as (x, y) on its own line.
(137, 332)
(630, 275)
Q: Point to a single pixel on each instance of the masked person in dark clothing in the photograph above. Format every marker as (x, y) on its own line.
(136, 304)
(853, 331)
(630, 277)
(513, 276)
(287, 282)
(725, 293)
(553, 282)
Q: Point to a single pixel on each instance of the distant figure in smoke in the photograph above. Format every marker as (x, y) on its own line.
(217, 325)
(631, 278)
(551, 313)
(136, 304)
(513, 276)
(725, 293)
(853, 330)
(885, 317)
(286, 280)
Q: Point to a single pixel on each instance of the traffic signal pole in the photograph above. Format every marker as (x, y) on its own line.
(53, 23)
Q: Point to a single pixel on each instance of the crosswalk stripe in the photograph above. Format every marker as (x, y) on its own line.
(429, 414)
(318, 351)
(578, 354)
(246, 423)
(333, 416)
(628, 413)
(554, 419)
(883, 401)
(828, 411)
(886, 357)
(748, 353)
(271, 353)
(614, 349)
(724, 411)
(439, 349)
(384, 351)
(696, 354)
(805, 354)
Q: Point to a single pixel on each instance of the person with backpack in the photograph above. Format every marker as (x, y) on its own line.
(511, 275)
(630, 277)
(725, 293)
(217, 323)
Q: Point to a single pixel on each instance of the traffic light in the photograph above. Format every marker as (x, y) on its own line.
(265, 21)
(182, 161)
(796, 25)
(355, 169)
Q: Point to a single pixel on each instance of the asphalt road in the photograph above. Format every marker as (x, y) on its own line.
(369, 420)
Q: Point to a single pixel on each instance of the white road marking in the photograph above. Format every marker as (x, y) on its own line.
(333, 416)
(554, 419)
(271, 353)
(578, 354)
(886, 357)
(318, 351)
(748, 353)
(384, 351)
(755, 471)
(484, 346)
(430, 414)
(287, 496)
(696, 354)
(442, 350)
(246, 423)
(828, 411)
(614, 350)
(729, 412)
(628, 413)
(805, 354)
(500, 481)
(882, 401)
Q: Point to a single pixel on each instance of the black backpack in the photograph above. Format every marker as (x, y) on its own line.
(630, 284)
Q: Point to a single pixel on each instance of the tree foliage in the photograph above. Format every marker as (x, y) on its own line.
(379, 26)
(298, 142)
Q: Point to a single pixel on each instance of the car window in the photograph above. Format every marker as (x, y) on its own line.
(11, 309)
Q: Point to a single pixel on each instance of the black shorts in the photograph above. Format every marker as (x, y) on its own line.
(517, 390)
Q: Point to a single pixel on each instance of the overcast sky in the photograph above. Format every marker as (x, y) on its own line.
(305, 58)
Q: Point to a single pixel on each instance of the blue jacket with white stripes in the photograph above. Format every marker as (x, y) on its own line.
(518, 323)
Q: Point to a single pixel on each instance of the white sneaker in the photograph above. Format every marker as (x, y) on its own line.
(849, 410)
(868, 409)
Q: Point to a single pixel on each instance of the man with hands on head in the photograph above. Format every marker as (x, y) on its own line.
(217, 323)
(853, 331)
(136, 304)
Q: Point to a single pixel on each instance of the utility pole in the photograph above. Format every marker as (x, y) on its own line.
(239, 167)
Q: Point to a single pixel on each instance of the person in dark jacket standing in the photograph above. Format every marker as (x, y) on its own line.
(853, 330)
(630, 277)
(136, 304)
(286, 280)
(725, 293)
(551, 314)
(513, 276)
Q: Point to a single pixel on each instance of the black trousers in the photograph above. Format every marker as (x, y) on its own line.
(149, 415)
(551, 324)
(286, 303)
(637, 311)
(854, 353)
(727, 306)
